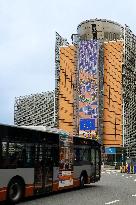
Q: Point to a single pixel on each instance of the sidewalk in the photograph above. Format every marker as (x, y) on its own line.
(109, 168)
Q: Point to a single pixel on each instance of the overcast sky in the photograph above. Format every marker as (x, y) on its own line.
(27, 40)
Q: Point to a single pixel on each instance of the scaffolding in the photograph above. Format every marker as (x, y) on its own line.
(34, 109)
(129, 90)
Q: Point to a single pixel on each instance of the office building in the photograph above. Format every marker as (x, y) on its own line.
(35, 109)
(104, 90)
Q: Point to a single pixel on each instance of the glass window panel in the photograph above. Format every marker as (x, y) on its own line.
(93, 156)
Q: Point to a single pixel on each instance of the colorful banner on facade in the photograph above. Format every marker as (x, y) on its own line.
(87, 124)
(88, 89)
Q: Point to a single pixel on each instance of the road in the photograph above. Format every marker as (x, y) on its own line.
(114, 188)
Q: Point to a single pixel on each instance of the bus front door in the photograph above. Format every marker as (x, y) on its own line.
(93, 171)
(97, 164)
(43, 175)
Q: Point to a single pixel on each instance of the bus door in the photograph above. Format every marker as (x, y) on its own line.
(92, 163)
(48, 158)
(43, 169)
(97, 164)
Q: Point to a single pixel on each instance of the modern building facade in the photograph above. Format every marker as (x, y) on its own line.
(129, 92)
(112, 113)
(35, 109)
(99, 29)
(118, 58)
(66, 120)
(95, 86)
(109, 36)
(103, 76)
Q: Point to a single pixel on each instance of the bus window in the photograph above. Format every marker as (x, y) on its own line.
(81, 154)
(84, 154)
(89, 154)
(77, 154)
(55, 156)
(97, 156)
(93, 156)
(16, 155)
(97, 163)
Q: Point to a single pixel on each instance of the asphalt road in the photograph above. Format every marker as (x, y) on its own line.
(114, 188)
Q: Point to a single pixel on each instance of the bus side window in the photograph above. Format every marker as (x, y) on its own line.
(93, 156)
(84, 154)
(55, 156)
(4, 156)
(77, 154)
(89, 154)
(28, 155)
(97, 156)
(16, 155)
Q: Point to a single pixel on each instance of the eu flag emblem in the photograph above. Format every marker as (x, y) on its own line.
(87, 124)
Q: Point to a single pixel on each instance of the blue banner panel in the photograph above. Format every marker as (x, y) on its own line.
(110, 150)
(88, 88)
(87, 124)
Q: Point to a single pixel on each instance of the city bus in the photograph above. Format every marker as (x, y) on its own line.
(37, 161)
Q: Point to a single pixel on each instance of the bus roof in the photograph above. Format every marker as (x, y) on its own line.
(38, 128)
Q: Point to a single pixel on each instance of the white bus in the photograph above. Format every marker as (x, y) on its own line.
(34, 162)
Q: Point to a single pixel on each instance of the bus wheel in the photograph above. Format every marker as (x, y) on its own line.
(15, 191)
(82, 182)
